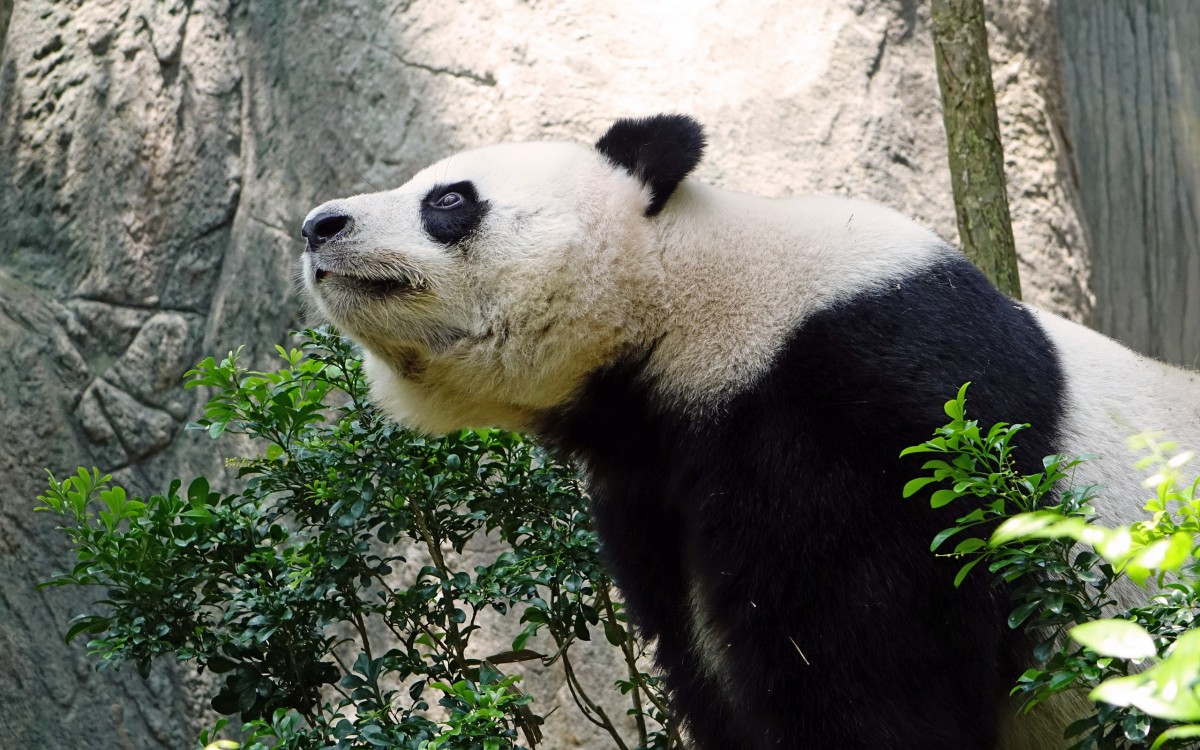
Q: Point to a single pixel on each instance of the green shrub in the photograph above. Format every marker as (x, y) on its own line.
(294, 590)
(1062, 565)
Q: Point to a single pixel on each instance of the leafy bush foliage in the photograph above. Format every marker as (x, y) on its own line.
(331, 594)
(294, 590)
(1063, 567)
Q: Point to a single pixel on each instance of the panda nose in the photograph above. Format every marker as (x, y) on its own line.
(325, 226)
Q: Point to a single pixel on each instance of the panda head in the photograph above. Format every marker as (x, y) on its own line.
(491, 284)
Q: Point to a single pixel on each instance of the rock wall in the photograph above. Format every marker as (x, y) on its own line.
(157, 156)
(115, 238)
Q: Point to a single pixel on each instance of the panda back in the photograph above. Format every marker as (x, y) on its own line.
(1111, 394)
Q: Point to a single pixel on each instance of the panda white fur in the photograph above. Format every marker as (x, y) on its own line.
(736, 377)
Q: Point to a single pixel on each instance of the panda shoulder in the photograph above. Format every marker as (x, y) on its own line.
(745, 272)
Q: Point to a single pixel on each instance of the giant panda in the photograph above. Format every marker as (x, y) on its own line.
(735, 377)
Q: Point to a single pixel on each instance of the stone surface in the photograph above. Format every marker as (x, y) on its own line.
(156, 158)
(119, 172)
(51, 693)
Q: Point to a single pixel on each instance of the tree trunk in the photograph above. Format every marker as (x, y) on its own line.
(973, 135)
(1132, 75)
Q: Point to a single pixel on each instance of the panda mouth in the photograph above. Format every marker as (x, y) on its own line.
(373, 287)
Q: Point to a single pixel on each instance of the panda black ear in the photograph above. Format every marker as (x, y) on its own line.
(660, 151)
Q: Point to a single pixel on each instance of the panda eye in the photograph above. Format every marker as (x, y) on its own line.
(448, 200)
(450, 213)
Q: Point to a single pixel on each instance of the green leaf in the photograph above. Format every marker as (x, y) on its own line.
(1079, 726)
(967, 546)
(915, 485)
(198, 491)
(1022, 613)
(1136, 726)
(1167, 689)
(1186, 731)
(942, 536)
(1024, 526)
(943, 497)
(954, 409)
(962, 392)
(1169, 553)
(86, 624)
(1122, 691)
(1044, 650)
(964, 570)
(523, 637)
(1060, 681)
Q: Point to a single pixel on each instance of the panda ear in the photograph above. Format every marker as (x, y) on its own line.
(660, 151)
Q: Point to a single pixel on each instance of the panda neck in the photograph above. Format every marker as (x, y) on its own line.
(742, 272)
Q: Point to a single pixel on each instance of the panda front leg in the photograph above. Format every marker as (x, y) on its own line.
(697, 697)
(642, 549)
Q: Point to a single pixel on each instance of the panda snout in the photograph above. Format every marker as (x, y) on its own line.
(325, 225)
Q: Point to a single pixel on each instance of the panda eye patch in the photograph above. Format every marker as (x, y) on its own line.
(450, 213)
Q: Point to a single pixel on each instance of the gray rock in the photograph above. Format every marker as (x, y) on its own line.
(141, 429)
(106, 450)
(100, 329)
(52, 695)
(152, 367)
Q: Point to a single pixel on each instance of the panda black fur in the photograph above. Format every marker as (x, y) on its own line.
(736, 377)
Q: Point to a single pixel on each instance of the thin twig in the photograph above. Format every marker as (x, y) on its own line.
(457, 646)
(631, 664)
(578, 693)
